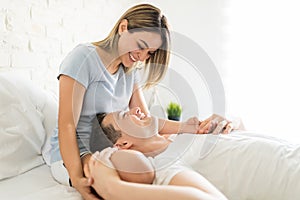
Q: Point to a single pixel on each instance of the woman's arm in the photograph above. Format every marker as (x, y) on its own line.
(168, 126)
(192, 125)
(70, 103)
(109, 185)
(138, 100)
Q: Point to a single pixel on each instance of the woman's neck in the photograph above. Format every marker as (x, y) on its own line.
(111, 62)
(113, 67)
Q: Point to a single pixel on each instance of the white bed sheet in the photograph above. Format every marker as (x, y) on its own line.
(36, 184)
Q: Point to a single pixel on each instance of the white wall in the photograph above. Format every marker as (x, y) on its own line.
(253, 44)
(262, 63)
(201, 21)
(35, 35)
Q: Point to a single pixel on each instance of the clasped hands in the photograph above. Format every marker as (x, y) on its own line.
(215, 124)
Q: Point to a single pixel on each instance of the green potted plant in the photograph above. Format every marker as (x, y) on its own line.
(174, 111)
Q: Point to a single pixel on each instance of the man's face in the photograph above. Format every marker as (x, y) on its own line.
(133, 124)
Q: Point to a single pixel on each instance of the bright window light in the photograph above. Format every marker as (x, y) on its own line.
(262, 46)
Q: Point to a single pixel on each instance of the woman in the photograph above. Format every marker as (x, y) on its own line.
(101, 77)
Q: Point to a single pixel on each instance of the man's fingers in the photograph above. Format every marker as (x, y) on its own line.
(229, 128)
(221, 125)
(214, 124)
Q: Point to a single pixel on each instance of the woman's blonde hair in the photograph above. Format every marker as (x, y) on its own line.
(144, 17)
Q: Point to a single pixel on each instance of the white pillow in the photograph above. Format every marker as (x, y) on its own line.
(22, 132)
(44, 102)
(49, 111)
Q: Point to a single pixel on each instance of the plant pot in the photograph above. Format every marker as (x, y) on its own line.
(175, 118)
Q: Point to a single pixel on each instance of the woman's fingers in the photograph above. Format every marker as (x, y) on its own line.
(206, 126)
(217, 124)
(86, 170)
(193, 121)
(86, 182)
(87, 173)
(83, 186)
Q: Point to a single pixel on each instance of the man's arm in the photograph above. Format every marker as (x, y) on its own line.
(193, 179)
(193, 125)
(109, 185)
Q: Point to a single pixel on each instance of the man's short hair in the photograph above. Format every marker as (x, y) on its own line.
(111, 133)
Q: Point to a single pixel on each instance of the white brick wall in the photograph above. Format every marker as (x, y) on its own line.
(35, 35)
(5, 59)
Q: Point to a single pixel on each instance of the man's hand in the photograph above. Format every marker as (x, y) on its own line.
(223, 125)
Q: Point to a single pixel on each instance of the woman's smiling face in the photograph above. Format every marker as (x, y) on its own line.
(137, 46)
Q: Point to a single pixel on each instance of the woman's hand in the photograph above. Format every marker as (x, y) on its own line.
(83, 186)
(194, 125)
(215, 124)
(102, 172)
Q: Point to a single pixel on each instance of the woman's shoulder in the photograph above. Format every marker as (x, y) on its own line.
(83, 52)
(82, 63)
(84, 48)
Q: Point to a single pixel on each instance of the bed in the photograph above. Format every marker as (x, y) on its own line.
(27, 118)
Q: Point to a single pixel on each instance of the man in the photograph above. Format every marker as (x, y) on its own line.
(242, 165)
(144, 174)
(133, 166)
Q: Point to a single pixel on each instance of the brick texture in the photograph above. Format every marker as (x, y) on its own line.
(35, 35)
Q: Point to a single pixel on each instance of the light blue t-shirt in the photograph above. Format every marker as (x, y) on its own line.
(104, 92)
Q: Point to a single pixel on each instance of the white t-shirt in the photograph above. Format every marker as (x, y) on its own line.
(242, 165)
(104, 93)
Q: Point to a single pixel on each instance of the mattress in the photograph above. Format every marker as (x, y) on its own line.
(36, 184)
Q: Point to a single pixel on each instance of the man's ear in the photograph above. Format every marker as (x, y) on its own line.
(123, 26)
(123, 144)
